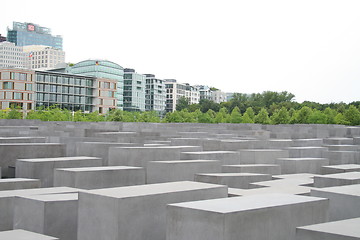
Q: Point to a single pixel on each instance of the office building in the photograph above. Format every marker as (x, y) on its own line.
(174, 91)
(43, 57)
(205, 92)
(218, 96)
(134, 90)
(155, 94)
(30, 89)
(11, 56)
(2, 38)
(103, 69)
(24, 34)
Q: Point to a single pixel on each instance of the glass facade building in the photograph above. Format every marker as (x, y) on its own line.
(134, 90)
(103, 69)
(155, 94)
(24, 34)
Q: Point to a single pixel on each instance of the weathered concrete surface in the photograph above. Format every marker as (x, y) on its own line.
(302, 165)
(20, 234)
(271, 169)
(270, 217)
(340, 168)
(225, 157)
(18, 183)
(337, 179)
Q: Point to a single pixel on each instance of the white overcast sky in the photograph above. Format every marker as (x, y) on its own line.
(307, 47)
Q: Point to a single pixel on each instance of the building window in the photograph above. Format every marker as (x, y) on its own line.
(18, 96)
(28, 86)
(8, 85)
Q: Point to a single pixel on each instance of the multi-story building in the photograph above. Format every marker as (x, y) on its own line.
(134, 90)
(2, 38)
(205, 92)
(218, 96)
(11, 56)
(103, 69)
(155, 94)
(43, 57)
(28, 89)
(24, 34)
(174, 91)
(17, 89)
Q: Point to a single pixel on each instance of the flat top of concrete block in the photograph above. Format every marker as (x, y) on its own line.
(307, 139)
(108, 143)
(296, 175)
(286, 182)
(303, 148)
(35, 191)
(57, 159)
(159, 147)
(54, 197)
(231, 174)
(91, 169)
(20, 234)
(296, 190)
(211, 152)
(152, 189)
(261, 150)
(185, 161)
(344, 166)
(346, 175)
(303, 159)
(353, 190)
(339, 138)
(31, 144)
(6, 180)
(252, 165)
(246, 203)
(348, 227)
(236, 140)
(11, 138)
(279, 140)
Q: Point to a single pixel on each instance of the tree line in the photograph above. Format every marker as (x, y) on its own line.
(263, 108)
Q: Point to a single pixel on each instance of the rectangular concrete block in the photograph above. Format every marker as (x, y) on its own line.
(18, 183)
(43, 168)
(140, 156)
(344, 201)
(225, 157)
(261, 156)
(270, 217)
(232, 180)
(339, 230)
(9, 152)
(271, 169)
(343, 157)
(338, 141)
(136, 212)
(340, 168)
(99, 177)
(53, 214)
(302, 165)
(337, 179)
(184, 170)
(20, 234)
(306, 152)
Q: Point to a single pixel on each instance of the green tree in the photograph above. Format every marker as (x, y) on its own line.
(302, 115)
(235, 116)
(182, 103)
(222, 116)
(262, 117)
(352, 115)
(246, 118)
(330, 115)
(340, 119)
(317, 117)
(14, 114)
(280, 116)
(250, 112)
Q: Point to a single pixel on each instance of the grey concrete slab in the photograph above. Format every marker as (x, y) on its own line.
(296, 175)
(343, 157)
(337, 179)
(43, 168)
(339, 141)
(302, 165)
(306, 152)
(340, 168)
(232, 180)
(7, 199)
(225, 157)
(99, 149)
(344, 201)
(249, 217)
(343, 147)
(9, 152)
(339, 230)
(54, 214)
(184, 170)
(313, 142)
(283, 189)
(271, 169)
(140, 156)
(261, 156)
(136, 212)
(99, 177)
(18, 183)
(20, 234)
(286, 182)
(22, 139)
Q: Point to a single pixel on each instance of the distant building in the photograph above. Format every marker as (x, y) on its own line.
(205, 92)
(2, 38)
(11, 56)
(24, 34)
(229, 96)
(103, 69)
(28, 89)
(134, 90)
(174, 91)
(43, 57)
(218, 96)
(155, 94)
